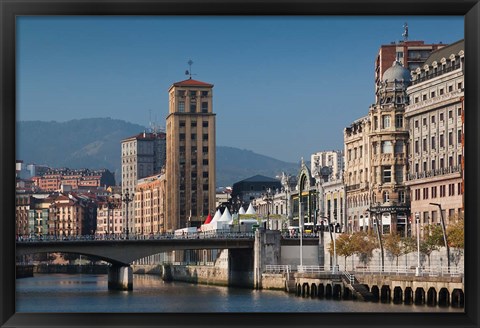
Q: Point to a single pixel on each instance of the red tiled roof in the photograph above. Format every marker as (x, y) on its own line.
(192, 83)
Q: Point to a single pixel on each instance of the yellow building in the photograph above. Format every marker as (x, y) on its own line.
(190, 169)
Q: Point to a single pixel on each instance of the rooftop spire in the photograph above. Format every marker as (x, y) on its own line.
(405, 32)
(189, 71)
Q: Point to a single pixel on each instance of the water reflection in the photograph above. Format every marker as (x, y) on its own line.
(89, 293)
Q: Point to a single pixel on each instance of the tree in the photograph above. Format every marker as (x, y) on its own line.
(398, 246)
(393, 244)
(432, 241)
(344, 246)
(456, 235)
(363, 245)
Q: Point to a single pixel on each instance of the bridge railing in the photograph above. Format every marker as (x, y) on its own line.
(311, 269)
(122, 237)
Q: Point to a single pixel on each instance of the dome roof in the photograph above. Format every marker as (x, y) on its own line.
(397, 72)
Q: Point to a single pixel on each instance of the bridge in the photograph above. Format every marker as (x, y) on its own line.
(247, 250)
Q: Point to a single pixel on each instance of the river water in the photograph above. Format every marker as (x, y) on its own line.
(89, 293)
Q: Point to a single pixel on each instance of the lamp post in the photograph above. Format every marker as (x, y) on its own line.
(330, 228)
(300, 229)
(268, 198)
(127, 198)
(379, 236)
(417, 220)
(444, 231)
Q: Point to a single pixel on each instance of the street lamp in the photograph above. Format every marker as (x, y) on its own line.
(379, 236)
(330, 228)
(418, 270)
(268, 198)
(127, 198)
(444, 234)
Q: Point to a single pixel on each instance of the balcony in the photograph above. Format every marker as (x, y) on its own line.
(438, 73)
(434, 173)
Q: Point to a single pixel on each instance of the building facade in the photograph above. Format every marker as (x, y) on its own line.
(332, 159)
(376, 159)
(150, 205)
(142, 155)
(190, 165)
(434, 117)
(411, 54)
(109, 216)
(357, 175)
(53, 179)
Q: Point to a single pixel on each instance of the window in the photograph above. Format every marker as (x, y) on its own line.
(425, 193)
(181, 106)
(433, 120)
(450, 88)
(416, 124)
(450, 114)
(459, 188)
(375, 123)
(442, 163)
(441, 91)
(424, 121)
(442, 191)
(182, 124)
(387, 174)
(450, 138)
(401, 196)
(386, 196)
(433, 143)
(193, 106)
(181, 93)
(386, 121)
(459, 85)
(459, 136)
(459, 111)
(387, 147)
(399, 121)
(434, 192)
(193, 94)
(417, 194)
(204, 93)
(424, 143)
(193, 124)
(399, 147)
(451, 189)
(424, 97)
(205, 162)
(193, 136)
(205, 149)
(204, 107)
(441, 117)
(433, 164)
(432, 94)
(398, 174)
(182, 136)
(205, 136)
(205, 124)
(442, 141)
(416, 146)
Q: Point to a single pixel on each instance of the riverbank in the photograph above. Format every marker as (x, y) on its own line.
(71, 268)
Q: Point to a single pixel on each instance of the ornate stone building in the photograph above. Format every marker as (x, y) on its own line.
(376, 159)
(434, 118)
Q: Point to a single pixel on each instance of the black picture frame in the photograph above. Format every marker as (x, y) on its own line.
(9, 9)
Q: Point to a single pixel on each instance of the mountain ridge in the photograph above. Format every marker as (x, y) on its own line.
(95, 143)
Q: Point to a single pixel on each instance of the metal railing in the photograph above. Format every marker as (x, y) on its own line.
(311, 269)
(350, 277)
(123, 237)
(435, 271)
(278, 268)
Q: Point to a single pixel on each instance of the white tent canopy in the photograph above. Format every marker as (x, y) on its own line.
(226, 216)
(241, 210)
(217, 216)
(250, 209)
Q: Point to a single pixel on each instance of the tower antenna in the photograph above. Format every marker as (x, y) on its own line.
(189, 71)
(405, 32)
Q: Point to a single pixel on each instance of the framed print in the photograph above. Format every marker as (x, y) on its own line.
(355, 236)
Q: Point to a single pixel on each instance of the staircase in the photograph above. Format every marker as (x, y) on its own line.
(357, 288)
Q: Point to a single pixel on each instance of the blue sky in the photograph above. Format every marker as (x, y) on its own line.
(285, 87)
